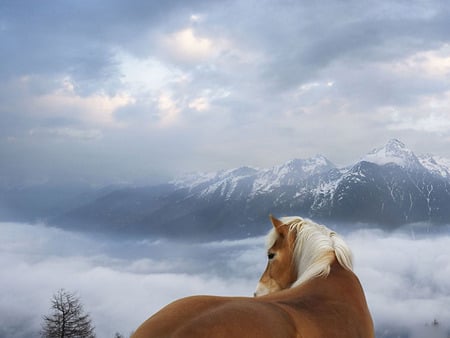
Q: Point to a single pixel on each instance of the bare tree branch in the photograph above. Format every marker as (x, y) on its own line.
(68, 319)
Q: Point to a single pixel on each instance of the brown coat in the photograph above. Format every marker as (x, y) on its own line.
(334, 306)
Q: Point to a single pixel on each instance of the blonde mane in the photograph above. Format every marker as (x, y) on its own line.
(316, 246)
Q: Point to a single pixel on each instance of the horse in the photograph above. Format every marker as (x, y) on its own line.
(308, 290)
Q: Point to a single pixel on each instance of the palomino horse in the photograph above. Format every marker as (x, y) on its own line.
(308, 290)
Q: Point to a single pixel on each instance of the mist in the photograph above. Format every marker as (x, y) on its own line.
(122, 282)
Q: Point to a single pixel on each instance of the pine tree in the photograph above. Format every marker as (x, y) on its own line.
(68, 319)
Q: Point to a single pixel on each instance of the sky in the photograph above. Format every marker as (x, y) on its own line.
(140, 91)
(121, 283)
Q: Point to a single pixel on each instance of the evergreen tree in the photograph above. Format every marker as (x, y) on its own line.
(67, 319)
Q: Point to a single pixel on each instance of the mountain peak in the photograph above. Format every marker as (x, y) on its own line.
(309, 166)
(394, 152)
(395, 145)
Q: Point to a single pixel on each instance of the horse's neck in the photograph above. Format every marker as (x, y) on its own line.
(324, 287)
(319, 268)
(337, 298)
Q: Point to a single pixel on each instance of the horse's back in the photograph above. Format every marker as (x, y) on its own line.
(338, 320)
(205, 316)
(324, 307)
(329, 307)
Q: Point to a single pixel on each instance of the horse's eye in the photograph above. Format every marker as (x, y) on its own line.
(270, 255)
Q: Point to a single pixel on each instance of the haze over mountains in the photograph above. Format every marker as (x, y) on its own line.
(390, 186)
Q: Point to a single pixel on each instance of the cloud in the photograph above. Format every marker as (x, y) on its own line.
(185, 45)
(96, 109)
(73, 133)
(253, 74)
(143, 74)
(405, 276)
(169, 112)
(60, 102)
(200, 104)
(430, 122)
(117, 282)
(431, 62)
(81, 38)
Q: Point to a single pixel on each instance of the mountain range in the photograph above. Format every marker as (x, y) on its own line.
(390, 186)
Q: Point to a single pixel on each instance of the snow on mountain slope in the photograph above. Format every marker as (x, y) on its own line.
(290, 173)
(225, 182)
(436, 165)
(393, 152)
(250, 182)
(193, 179)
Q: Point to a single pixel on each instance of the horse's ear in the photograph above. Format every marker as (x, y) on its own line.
(278, 225)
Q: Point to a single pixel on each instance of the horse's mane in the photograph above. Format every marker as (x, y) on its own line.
(316, 246)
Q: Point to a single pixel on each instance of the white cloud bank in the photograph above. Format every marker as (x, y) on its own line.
(405, 279)
(121, 283)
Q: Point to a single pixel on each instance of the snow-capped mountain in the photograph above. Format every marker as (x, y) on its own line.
(390, 185)
(256, 181)
(393, 152)
(437, 165)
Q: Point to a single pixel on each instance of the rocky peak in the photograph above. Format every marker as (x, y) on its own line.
(394, 152)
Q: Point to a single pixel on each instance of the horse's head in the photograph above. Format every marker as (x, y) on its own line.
(299, 250)
(281, 271)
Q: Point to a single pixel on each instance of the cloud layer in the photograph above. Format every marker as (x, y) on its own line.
(147, 90)
(405, 277)
(117, 282)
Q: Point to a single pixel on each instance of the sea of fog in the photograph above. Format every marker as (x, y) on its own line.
(406, 277)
